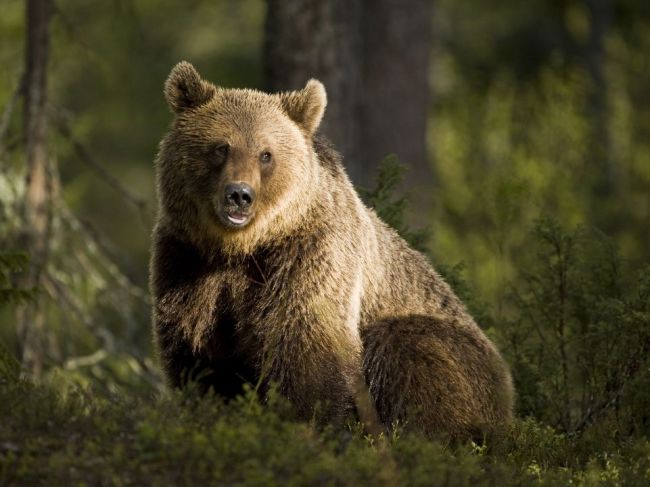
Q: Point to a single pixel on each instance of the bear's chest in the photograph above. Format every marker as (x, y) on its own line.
(254, 286)
(247, 307)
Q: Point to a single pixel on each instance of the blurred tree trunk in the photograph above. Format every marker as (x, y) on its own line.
(397, 35)
(373, 58)
(320, 39)
(31, 319)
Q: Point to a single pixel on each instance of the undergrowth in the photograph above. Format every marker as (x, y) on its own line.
(79, 437)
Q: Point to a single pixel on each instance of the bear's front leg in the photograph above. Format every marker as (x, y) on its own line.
(314, 370)
(194, 336)
(213, 367)
(180, 363)
(311, 351)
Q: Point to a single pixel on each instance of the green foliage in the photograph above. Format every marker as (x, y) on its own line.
(575, 328)
(582, 326)
(97, 317)
(9, 367)
(83, 438)
(11, 263)
(547, 210)
(454, 275)
(389, 204)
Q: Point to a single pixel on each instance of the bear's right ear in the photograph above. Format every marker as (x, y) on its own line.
(186, 89)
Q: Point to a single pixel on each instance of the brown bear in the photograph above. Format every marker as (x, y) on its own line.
(267, 268)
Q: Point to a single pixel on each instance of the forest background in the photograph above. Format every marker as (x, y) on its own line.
(510, 141)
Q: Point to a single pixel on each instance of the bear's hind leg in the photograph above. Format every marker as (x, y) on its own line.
(436, 375)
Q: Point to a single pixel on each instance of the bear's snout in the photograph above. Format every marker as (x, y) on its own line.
(240, 195)
(237, 204)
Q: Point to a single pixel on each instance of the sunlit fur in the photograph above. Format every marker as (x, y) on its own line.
(315, 292)
(250, 122)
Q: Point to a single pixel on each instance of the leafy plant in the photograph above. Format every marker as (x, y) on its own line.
(392, 207)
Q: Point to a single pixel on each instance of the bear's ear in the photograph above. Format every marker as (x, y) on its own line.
(307, 106)
(185, 89)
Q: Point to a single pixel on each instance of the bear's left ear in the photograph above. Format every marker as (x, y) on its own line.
(186, 89)
(307, 106)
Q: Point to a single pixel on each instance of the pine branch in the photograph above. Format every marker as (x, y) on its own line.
(636, 364)
(97, 246)
(58, 289)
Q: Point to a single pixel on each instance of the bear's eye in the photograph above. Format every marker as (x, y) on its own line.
(266, 157)
(221, 151)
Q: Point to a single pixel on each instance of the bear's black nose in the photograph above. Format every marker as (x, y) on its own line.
(240, 194)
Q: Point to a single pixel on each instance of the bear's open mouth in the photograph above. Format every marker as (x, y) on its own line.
(235, 219)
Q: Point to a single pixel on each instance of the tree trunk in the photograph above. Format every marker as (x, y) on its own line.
(31, 319)
(319, 39)
(373, 59)
(397, 35)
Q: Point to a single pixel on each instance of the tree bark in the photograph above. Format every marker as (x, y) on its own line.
(319, 39)
(31, 319)
(397, 35)
(373, 58)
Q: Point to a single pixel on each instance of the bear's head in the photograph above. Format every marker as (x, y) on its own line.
(238, 166)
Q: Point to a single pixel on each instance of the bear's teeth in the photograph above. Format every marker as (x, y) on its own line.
(236, 220)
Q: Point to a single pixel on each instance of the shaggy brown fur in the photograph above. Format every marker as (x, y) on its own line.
(314, 292)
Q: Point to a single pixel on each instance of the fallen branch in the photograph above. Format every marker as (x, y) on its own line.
(99, 249)
(86, 360)
(105, 175)
(58, 289)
